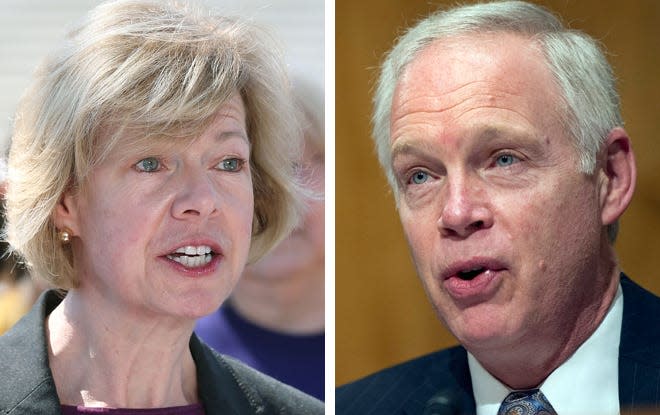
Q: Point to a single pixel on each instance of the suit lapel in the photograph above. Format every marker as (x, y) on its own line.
(639, 358)
(447, 388)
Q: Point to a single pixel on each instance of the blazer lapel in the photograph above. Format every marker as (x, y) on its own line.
(26, 382)
(220, 392)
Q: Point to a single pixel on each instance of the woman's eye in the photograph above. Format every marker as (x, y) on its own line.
(231, 165)
(505, 160)
(148, 165)
(419, 177)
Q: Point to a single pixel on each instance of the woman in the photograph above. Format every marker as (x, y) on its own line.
(274, 320)
(149, 162)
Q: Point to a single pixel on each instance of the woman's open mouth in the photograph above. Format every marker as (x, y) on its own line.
(192, 256)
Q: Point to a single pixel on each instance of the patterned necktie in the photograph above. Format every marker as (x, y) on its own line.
(529, 402)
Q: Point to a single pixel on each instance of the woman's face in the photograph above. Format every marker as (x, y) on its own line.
(167, 229)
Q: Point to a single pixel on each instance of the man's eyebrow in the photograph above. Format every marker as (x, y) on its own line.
(490, 134)
(414, 147)
(485, 137)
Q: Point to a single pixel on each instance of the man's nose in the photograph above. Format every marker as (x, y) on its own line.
(465, 210)
(196, 196)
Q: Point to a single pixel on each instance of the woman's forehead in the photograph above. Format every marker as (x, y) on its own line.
(228, 119)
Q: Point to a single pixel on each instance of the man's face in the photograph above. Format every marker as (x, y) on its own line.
(505, 232)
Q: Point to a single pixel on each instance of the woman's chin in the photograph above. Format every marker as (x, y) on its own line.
(195, 307)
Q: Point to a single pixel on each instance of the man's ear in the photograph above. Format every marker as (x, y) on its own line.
(65, 214)
(618, 176)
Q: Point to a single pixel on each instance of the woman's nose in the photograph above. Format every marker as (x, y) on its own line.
(196, 196)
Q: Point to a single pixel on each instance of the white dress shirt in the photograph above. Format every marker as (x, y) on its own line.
(586, 383)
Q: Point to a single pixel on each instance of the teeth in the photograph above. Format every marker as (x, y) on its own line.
(194, 250)
(191, 261)
(192, 256)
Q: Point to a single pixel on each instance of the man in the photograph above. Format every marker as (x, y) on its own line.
(500, 133)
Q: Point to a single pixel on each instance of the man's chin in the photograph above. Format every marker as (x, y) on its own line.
(482, 327)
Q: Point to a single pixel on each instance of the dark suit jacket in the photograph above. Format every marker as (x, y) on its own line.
(441, 381)
(225, 386)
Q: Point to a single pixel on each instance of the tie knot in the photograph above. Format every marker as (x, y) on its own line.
(527, 402)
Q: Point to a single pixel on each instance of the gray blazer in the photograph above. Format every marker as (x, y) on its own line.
(225, 385)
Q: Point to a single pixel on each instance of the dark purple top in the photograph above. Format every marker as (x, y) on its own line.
(298, 361)
(196, 409)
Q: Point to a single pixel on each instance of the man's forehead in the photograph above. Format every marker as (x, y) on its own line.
(470, 57)
(476, 86)
(487, 68)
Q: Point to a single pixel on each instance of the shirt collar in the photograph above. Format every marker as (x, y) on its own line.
(585, 383)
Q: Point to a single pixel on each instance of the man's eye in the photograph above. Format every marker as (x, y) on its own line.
(419, 177)
(505, 160)
(148, 165)
(231, 165)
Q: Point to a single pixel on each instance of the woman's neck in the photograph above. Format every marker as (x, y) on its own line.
(105, 356)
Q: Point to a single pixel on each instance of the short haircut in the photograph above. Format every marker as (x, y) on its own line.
(589, 103)
(164, 68)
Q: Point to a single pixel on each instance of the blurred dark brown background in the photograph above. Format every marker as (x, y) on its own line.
(382, 314)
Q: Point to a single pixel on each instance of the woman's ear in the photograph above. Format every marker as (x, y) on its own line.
(65, 214)
(618, 176)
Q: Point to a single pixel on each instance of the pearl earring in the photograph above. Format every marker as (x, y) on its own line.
(65, 235)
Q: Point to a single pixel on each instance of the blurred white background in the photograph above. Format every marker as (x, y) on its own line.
(29, 29)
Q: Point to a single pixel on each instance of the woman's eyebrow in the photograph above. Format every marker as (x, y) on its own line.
(225, 135)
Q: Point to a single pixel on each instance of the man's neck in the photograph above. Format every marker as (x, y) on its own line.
(526, 363)
(593, 369)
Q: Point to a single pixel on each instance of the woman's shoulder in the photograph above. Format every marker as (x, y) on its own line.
(222, 378)
(278, 394)
(26, 383)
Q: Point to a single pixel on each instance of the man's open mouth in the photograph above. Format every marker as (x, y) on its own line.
(470, 274)
(472, 269)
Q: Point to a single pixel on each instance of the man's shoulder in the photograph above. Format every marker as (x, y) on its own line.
(641, 324)
(639, 356)
(409, 386)
(410, 370)
(221, 376)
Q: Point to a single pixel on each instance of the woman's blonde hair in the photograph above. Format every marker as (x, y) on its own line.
(163, 68)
